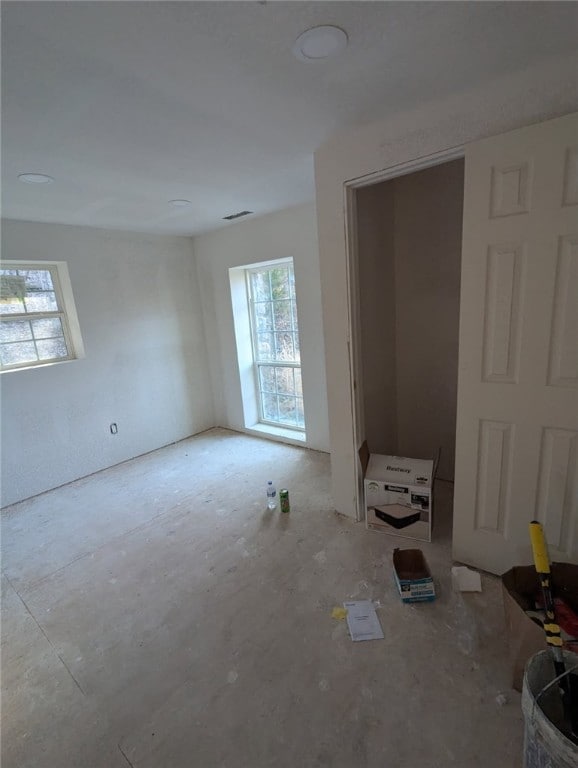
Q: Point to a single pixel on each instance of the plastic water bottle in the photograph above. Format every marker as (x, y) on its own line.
(271, 496)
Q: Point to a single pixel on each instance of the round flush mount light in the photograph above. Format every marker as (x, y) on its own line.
(320, 43)
(180, 203)
(35, 178)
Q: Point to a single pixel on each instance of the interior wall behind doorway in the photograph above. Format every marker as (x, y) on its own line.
(409, 251)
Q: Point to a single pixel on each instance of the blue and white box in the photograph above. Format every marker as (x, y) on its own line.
(413, 576)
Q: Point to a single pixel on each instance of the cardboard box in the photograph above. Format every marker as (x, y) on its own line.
(520, 587)
(413, 576)
(398, 496)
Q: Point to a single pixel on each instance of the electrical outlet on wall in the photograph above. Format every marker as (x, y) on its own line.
(114, 428)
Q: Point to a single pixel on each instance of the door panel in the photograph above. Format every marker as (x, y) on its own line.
(517, 422)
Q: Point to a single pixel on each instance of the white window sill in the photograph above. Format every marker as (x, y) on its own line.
(46, 364)
(286, 435)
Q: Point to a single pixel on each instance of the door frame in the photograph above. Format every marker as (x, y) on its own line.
(351, 265)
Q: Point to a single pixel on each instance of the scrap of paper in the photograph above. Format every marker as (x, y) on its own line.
(466, 580)
(362, 621)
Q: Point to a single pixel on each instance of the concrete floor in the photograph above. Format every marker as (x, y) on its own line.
(156, 616)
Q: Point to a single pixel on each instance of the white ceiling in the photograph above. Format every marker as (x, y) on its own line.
(131, 104)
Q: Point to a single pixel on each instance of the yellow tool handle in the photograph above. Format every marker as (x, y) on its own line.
(539, 550)
(551, 628)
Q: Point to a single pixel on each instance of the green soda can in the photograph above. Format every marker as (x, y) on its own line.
(284, 499)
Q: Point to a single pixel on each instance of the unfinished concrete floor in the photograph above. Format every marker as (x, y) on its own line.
(156, 616)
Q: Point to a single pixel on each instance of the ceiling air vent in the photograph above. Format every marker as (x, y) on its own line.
(237, 215)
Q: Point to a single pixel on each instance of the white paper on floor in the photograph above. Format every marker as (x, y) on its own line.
(362, 621)
(466, 580)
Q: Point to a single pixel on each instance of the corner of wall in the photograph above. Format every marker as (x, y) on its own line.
(204, 281)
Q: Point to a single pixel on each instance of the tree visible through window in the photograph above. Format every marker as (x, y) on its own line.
(276, 344)
(33, 323)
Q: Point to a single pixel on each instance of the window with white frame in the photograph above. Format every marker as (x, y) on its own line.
(38, 323)
(276, 352)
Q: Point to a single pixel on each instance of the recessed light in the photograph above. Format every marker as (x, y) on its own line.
(320, 43)
(35, 178)
(180, 203)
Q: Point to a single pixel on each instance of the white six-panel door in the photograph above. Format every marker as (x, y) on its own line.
(517, 421)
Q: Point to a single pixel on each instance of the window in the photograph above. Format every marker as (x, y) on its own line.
(38, 323)
(276, 353)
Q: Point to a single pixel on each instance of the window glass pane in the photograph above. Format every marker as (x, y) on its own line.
(267, 378)
(41, 302)
(270, 412)
(18, 286)
(47, 328)
(260, 286)
(298, 383)
(284, 347)
(265, 346)
(37, 279)
(13, 354)
(263, 316)
(274, 323)
(294, 308)
(287, 412)
(279, 283)
(282, 315)
(285, 383)
(49, 349)
(12, 282)
(10, 305)
(300, 413)
(15, 330)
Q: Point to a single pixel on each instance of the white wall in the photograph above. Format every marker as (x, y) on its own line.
(145, 368)
(288, 233)
(536, 94)
(376, 281)
(428, 248)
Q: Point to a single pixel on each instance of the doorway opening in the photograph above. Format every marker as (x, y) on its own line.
(405, 267)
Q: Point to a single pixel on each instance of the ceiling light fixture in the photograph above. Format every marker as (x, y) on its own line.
(180, 203)
(35, 178)
(320, 43)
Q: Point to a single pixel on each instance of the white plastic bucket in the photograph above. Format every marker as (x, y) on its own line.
(545, 746)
